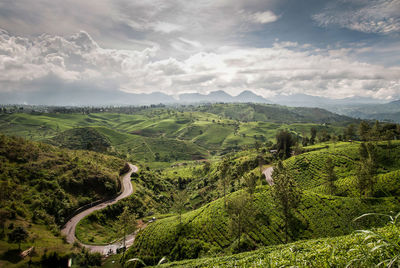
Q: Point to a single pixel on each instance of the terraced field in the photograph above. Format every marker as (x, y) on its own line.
(327, 252)
(163, 135)
(319, 215)
(208, 226)
(309, 169)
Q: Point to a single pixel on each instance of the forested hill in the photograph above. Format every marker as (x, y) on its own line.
(40, 183)
(273, 113)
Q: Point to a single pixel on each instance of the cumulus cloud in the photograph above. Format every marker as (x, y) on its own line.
(262, 17)
(127, 24)
(287, 68)
(373, 16)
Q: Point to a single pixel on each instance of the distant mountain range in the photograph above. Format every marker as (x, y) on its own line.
(221, 96)
(303, 100)
(358, 107)
(84, 97)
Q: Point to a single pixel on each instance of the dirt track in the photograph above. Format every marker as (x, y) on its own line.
(70, 226)
(268, 175)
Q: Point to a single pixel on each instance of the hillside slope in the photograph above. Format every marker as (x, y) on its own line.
(309, 169)
(42, 185)
(206, 230)
(326, 252)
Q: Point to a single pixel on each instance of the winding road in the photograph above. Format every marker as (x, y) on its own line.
(268, 175)
(70, 226)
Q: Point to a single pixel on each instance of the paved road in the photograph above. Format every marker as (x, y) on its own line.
(268, 175)
(70, 226)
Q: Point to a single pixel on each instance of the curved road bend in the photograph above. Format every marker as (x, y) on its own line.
(70, 226)
(268, 175)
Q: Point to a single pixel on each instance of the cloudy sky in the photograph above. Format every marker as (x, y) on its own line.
(337, 49)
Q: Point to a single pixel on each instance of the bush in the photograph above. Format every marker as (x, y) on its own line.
(189, 249)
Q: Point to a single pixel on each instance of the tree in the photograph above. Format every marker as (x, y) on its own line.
(366, 169)
(180, 199)
(305, 141)
(330, 176)
(261, 161)
(251, 183)
(375, 133)
(350, 132)
(284, 143)
(223, 175)
(313, 131)
(240, 212)
(127, 224)
(18, 235)
(334, 139)
(285, 194)
(363, 130)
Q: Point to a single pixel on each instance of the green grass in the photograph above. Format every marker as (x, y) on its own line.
(326, 252)
(161, 136)
(317, 216)
(309, 168)
(42, 185)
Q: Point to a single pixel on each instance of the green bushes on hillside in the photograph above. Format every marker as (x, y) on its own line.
(46, 184)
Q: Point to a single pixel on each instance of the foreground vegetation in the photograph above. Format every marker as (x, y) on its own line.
(208, 231)
(360, 249)
(42, 185)
(200, 176)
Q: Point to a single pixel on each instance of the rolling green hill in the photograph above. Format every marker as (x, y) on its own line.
(342, 251)
(206, 230)
(310, 172)
(81, 139)
(41, 185)
(165, 135)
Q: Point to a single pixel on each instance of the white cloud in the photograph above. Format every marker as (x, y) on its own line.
(375, 16)
(283, 68)
(262, 17)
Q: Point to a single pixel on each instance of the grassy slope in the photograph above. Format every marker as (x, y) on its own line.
(192, 133)
(326, 252)
(154, 191)
(319, 215)
(309, 168)
(41, 185)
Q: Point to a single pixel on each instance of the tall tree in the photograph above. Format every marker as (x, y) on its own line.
(366, 169)
(224, 175)
(313, 131)
(127, 224)
(284, 143)
(180, 199)
(330, 175)
(350, 132)
(286, 195)
(241, 214)
(375, 132)
(364, 129)
(251, 183)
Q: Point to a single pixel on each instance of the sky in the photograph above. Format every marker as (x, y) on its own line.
(335, 49)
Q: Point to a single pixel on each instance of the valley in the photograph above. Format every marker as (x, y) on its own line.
(203, 182)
